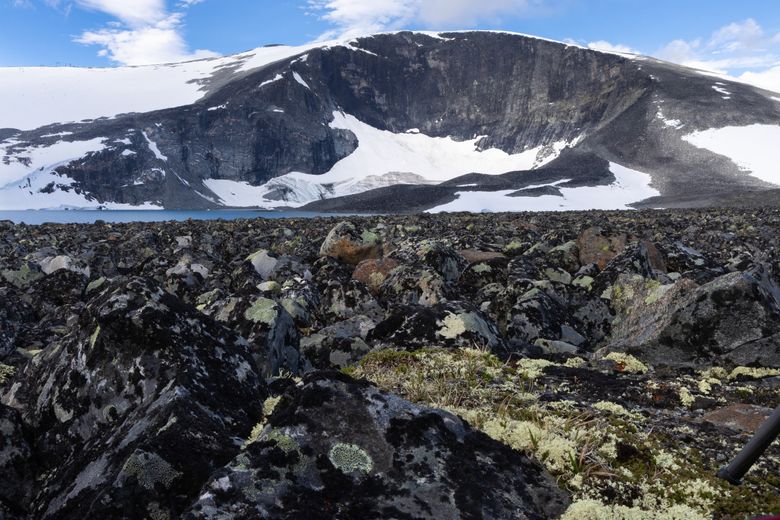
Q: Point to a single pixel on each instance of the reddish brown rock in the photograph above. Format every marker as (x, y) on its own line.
(374, 272)
(595, 248)
(740, 417)
(473, 256)
(351, 243)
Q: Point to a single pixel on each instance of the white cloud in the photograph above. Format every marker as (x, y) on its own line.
(359, 17)
(768, 79)
(606, 46)
(742, 49)
(143, 32)
(137, 13)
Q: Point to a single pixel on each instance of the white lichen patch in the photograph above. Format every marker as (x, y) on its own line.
(753, 373)
(452, 326)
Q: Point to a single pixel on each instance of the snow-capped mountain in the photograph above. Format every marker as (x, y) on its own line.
(393, 122)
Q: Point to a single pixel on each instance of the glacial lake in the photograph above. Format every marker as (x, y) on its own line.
(35, 217)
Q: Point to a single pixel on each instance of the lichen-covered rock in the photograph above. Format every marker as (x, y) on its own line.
(351, 243)
(478, 275)
(414, 284)
(16, 466)
(451, 325)
(537, 315)
(268, 328)
(442, 258)
(735, 317)
(15, 316)
(635, 259)
(301, 299)
(343, 300)
(339, 345)
(136, 407)
(596, 248)
(373, 273)
(338, 448)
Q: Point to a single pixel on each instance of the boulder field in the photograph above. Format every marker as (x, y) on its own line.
(460, 366)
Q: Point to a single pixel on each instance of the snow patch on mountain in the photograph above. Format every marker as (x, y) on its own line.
(753, 148)
(300, 80)
(630, 186)
(17, 160)
(268, 82)
(382, 159)
(45, 189)
(153, 147)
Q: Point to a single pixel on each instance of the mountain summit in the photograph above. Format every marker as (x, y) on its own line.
(392, 122)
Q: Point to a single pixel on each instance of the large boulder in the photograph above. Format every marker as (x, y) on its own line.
(267, 326)
(135, 408)
(451, 325)
(374, 272)
(338, 448)
(339, 345)
(734, 318)
(594, 247)
(414, 284)
(351, 243)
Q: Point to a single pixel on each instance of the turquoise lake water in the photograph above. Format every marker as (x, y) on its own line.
(90, 216)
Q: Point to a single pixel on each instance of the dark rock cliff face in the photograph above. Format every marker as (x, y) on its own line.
(517, 92)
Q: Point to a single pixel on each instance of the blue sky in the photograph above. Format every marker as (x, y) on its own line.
(738, 37)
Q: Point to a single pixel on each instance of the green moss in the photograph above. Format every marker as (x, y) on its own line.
(656, 477)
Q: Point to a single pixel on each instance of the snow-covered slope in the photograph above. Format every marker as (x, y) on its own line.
(382, 159)
(754, 148)
(629, 187)
(32, 97)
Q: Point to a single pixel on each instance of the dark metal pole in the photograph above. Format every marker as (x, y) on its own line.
(765, 435)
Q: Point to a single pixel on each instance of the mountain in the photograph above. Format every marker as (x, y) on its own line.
(392, 122)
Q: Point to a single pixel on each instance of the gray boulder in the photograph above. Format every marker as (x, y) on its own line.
(339, 448)
(735, 318)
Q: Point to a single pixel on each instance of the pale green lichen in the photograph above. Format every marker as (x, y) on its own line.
(558, 276)
(686, 398)
(583, 281)
(150, 470)
(753, 373)
(350, 458)
(627, 363)
(482, 268)
(533, 368)
(369, 237)
(263, 310)
(575, 362)
(614, 408)
(95, 284)
(94, 337)
(595, 510)
(6, 373)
